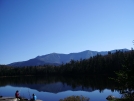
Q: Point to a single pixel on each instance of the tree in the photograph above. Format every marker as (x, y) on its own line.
(125, 77)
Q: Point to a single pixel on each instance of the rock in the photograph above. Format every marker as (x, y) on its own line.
(111, 97)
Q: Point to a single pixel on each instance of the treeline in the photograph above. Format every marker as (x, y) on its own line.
(98, 64)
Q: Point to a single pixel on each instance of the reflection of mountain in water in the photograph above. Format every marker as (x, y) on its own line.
(56, 84)
(55, 87)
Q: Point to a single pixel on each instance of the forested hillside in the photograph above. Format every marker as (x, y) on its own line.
(98, 64)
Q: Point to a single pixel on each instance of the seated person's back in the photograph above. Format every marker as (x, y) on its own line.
(34, 98)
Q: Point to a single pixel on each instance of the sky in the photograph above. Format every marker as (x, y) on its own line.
(30, 28)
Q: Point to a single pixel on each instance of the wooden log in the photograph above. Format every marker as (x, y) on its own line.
(14, 99)
(8, 99)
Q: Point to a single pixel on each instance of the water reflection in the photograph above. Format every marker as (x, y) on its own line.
(56, 87)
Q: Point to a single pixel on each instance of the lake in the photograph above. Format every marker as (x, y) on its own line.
(54, 88)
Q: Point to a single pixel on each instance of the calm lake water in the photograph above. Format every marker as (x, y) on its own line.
(56, 88)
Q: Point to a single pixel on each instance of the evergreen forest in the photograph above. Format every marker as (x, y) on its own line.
(97, 65)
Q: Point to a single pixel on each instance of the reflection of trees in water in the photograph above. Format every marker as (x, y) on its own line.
(94, 82)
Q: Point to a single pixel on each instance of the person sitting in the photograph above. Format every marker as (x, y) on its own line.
(17, 95)
(34, 98)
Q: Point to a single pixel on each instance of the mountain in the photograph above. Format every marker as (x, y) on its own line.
(57, 59)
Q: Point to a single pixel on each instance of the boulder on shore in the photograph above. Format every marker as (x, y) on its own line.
(111, 97)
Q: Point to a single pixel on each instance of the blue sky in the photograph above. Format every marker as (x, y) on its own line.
(29, 28)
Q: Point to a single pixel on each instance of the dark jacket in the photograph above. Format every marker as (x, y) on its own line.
(17, 94)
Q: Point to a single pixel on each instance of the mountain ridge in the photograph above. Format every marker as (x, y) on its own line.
(60, 58)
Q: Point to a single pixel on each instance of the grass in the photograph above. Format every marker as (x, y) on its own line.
(75, 98)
